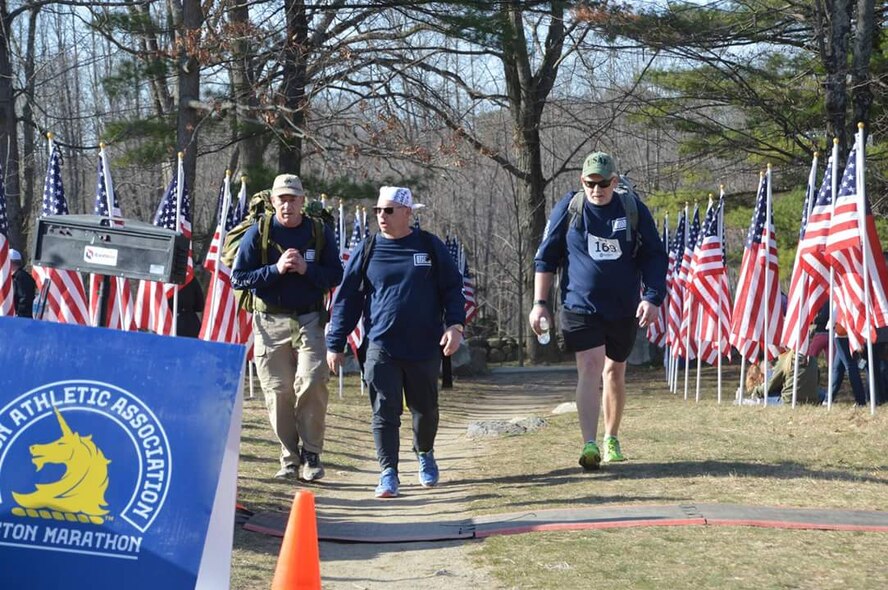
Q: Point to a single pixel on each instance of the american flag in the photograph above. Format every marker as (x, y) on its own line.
(687, 332)
(471, 305)
(119, 303)
(806, 292)
(231, 219)
(220, 322)
(153, 310)
(656, 332)
(356, 338)
(65, 297)
(843, 248)
(758, 268)
(7, 306)
(674, 288)
(708, 283)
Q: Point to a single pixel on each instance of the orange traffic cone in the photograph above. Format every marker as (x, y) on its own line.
(298, 566)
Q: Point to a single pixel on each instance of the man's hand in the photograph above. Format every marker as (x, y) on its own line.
(646, 313)
(451, 340)
(537, 313)
(334, 360)
(289, 261)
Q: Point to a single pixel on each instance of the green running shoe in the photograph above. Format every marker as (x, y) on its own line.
(612, 453)
(591, 457)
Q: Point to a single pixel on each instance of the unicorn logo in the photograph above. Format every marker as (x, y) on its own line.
(80, 493)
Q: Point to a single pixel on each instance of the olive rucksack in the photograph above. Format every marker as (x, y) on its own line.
(627, 196)
(261, 211)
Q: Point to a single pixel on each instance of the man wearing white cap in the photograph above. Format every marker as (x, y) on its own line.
(410, 293)
(23, 286)
(289, 272)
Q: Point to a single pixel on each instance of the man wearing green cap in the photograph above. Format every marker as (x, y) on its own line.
(613, 281)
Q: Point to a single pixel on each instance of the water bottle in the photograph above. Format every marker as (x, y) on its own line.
(543, 336)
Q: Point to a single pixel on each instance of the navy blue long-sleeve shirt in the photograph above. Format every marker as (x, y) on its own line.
(291, 290)
(597, 277)
(406, 301)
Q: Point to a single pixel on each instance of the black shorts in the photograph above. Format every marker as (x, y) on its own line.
(587, 331)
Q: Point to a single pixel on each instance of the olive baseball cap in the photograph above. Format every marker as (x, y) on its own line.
(601, 164)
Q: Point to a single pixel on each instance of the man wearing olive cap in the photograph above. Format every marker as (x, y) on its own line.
(608, 263)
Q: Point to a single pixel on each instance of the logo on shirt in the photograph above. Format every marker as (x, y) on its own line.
(421, 259)
(309, 256)
(619, 224)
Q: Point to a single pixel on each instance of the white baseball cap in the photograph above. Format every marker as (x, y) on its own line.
(399, 195)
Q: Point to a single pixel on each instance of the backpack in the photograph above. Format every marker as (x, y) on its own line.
(627, 196)
(261, 211)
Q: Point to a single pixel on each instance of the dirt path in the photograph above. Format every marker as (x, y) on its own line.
(348, 496)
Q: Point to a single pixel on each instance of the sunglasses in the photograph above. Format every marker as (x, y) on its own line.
(599, 184)
(386, 210)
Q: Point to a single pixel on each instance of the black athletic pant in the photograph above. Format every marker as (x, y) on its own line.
(391, 380)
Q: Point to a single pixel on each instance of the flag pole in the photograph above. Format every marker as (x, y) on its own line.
(806, 211)
(687, 349)
(860, 180)
(721, 227)
(831, 349)
(341, 253)
(110, 195)
(767, 258)
(223, 216)
(666, 347)
(180, 177)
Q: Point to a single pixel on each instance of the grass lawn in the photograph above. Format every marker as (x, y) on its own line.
(679, 452)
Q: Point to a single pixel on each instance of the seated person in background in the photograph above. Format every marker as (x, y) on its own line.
(780, 381)
(754, 378)
(819, 332)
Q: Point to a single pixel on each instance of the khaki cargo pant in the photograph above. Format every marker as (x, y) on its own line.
(290, 355)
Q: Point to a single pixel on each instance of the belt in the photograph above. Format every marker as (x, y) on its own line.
(290, 311)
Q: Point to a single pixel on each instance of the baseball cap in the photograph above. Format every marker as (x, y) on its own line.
(399, 195)
(15, 255)
(601, 164)
(287, 184)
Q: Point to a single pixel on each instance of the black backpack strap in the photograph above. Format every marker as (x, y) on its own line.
(366, 251)
(575, 210)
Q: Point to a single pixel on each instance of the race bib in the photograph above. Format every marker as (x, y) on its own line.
(603, 248)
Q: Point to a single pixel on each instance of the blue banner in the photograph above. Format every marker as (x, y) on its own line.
(111, 448)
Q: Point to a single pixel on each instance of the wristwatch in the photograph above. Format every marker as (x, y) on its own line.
(542, 302)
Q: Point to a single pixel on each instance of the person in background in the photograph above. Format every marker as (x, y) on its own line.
(24, 289)
(780, 380)
(844, 361)
(190, 303)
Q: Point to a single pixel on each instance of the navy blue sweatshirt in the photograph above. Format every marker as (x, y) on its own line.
(290, 291)
(600, 274)
(406, 301)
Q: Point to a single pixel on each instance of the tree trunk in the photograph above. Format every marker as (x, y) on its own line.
(243, 76)
(293, 87)
(527, 92)
(835, 58)
(29, 129)
(861, 83)
(188, 40)
(9, 133)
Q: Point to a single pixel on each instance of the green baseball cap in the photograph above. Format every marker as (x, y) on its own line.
(601, 164)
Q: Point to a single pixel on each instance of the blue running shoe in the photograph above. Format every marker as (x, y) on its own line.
(428, 469)
(388, 484)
